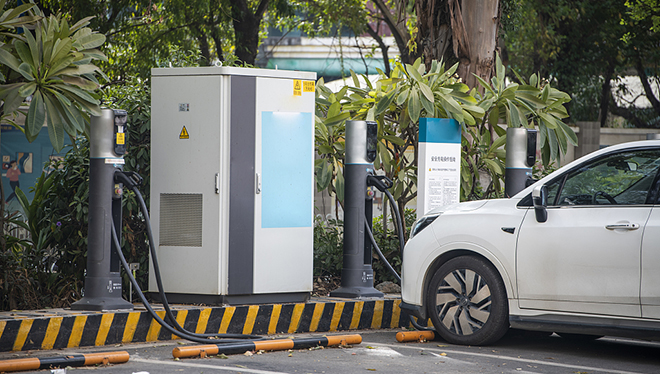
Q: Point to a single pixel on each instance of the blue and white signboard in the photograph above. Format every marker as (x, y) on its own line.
(439, 167)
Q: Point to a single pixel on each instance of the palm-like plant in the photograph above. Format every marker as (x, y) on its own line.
(54, 66)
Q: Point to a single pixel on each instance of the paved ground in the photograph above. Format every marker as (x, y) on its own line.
(379, 352)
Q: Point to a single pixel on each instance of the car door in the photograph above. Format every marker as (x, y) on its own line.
(586, 257)
(650, 282)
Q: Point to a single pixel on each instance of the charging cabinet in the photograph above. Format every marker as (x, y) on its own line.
(232, 183)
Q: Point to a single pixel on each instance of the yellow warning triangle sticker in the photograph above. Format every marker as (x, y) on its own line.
(184, 133)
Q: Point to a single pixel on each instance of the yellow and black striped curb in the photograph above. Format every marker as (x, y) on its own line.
(68, 329)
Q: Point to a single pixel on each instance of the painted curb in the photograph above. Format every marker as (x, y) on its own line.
(70, 329)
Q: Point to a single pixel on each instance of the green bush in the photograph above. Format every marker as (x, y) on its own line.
(52, 261)
(51, 264)
(328, 247)
(18, 287)
(329, 242)
(388, 242)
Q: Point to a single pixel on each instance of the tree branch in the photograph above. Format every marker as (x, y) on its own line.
(627, 114)
(383, 47)
(639, 66)
(401, 38)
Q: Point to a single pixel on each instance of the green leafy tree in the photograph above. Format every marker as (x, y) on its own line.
(397, 102)
(528, 104)
(587, 47)
(10, 19)
(641, 10)
(53, 66)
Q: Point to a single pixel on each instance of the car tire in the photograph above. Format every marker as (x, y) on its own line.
(467, 302)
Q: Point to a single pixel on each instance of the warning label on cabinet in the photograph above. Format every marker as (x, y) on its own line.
(184, 133)
(309, 86)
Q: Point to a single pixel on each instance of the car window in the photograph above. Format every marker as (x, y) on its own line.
(619, 179)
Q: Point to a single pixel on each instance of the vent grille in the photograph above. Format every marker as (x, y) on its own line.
(180, 220)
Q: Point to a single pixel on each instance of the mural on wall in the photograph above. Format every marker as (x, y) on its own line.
(24, 161)
(30, 158)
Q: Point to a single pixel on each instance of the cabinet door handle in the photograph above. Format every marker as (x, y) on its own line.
(258, 183)
(623, 226)
(217, 183)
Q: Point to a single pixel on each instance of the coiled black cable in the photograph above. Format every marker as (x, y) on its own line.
(175, 328)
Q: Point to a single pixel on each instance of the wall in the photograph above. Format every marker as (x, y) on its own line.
(33, 156)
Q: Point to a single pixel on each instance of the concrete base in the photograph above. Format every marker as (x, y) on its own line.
(357, 292)
(62, 328)
(181, 298)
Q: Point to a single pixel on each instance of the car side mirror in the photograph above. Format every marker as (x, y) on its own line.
(540, 200)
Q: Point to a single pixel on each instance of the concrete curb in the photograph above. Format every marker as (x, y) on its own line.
(55, 329)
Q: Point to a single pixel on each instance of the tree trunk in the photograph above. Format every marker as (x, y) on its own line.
(643, 77)
(474, 24)
(204, 46)
(246, 28)
(606, 92)
(397, 24)
(383, 47)
(434, 34)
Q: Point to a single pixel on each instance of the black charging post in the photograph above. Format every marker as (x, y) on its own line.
(107, 146)
(520, 158)
(357, 276)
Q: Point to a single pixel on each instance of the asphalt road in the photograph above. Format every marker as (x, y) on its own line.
(379, 352)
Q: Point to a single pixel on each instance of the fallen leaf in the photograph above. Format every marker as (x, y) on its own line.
(222, 356)
(443, 354)
(248, 353)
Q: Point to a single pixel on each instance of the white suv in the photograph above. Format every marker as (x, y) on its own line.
(578, 252)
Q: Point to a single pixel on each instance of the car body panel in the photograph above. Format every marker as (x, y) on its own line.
(650, 282)
(576, 247)
(422, 250)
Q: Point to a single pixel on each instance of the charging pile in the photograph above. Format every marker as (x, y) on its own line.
(107, 183)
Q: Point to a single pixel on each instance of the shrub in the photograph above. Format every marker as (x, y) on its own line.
(329, 242)
(328, 247)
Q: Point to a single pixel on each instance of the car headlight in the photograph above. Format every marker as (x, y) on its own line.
(421, 224)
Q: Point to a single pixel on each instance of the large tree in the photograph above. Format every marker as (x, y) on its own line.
(464, 31)
(587, 47)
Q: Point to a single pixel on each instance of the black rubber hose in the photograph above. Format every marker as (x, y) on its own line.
(418, 326)
(380, 253)
(153, 313)
(168, 311)
(400, 234)
(399, 221)
(159, 282)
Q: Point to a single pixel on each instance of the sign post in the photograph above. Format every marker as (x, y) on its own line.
(439, 168)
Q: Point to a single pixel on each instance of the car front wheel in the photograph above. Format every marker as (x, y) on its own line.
(467, 302)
